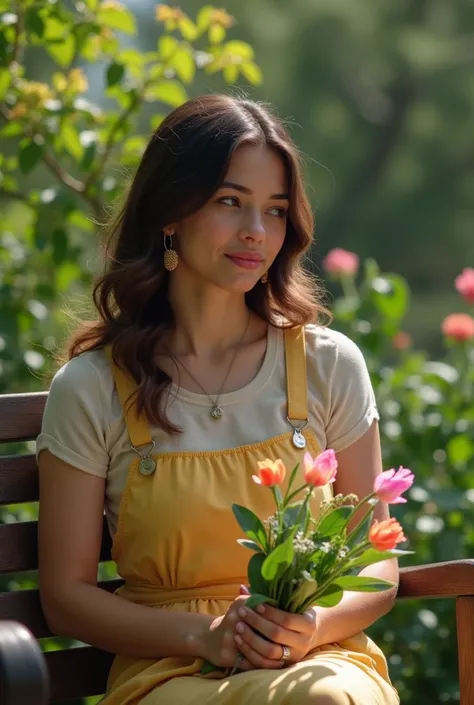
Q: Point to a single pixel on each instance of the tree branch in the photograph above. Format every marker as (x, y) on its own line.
(121, 120)
(16, 196)
(18, 46)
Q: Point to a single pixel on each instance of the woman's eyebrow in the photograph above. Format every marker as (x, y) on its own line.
(248, 191)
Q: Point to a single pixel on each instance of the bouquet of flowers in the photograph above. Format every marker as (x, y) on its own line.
(300, 561)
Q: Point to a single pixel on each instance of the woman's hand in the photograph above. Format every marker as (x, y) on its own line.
(295, 631)
(220, 647)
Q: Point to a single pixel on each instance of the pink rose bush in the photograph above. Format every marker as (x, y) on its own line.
(339, 262)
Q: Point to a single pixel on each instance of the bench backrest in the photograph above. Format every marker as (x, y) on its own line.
(74, 672)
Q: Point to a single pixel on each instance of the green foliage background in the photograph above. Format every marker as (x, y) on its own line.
(380, 96)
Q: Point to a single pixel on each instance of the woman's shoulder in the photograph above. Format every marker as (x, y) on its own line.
(87, 372)
(330, 346)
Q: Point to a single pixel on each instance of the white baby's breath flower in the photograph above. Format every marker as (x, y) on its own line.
(302, 544)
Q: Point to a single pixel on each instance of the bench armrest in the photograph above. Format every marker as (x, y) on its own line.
(23, 674)
(450, 579)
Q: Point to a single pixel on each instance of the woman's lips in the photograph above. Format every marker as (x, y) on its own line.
(245, 262)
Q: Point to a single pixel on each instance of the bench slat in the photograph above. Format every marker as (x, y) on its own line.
(78, 673)
(24, 606)
(449, 579)
(20, 416)
(18, 479)
(19, 547)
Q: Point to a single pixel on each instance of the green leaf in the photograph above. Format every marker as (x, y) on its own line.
(256, 580)
(360, 583)
(241, 49)
(167, 45)
(122, 20)
(294, 472)
(333, 522)
(183, 64)
(361, 531)
(29, 155)
(88, 156)
(460, 450)
(371, 556)
(231, 73)
(60, 246)
(279, 559)
(187, 28)
(330, 597)
(61, 52)
(252, 73)
(204, 17)
(170, 92)
(291, 513)
(11, 129)
(5, 81)
(216, 34)
(257, 599)
(34, 22)
(70, 140)
(156, 120)
(246, 543)
(66, 274)
(115, 73)
(250, 524)
(391, 295)
(208, 667)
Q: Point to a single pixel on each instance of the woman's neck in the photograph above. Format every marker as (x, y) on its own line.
(208, 321)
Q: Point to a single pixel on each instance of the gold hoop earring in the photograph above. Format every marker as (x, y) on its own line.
(264, 278)
(170, 258)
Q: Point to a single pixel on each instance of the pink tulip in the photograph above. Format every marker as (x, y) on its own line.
(390, 485)
(464, 283)
(270, 473)
(339, 261)
(321, 470)
(459, 326)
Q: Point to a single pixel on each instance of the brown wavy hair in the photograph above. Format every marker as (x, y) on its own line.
(183, 165)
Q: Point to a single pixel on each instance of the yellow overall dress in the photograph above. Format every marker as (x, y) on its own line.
(176, 549)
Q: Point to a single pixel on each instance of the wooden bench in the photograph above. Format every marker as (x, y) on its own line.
(78, 672)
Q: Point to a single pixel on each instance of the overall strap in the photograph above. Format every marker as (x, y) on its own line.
(295, 358)
(137, 426)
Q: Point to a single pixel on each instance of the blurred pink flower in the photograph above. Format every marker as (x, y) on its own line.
(459, 326)
(464, 283)
(390, 485)
(339, 261)
(321, 470)
(402, 340)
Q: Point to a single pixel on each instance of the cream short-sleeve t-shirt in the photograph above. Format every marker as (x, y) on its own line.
(83, 422)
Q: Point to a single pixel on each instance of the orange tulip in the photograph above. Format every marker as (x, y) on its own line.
(385, 535)
(270, 473)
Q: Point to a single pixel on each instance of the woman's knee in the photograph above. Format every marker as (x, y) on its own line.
(327, 693)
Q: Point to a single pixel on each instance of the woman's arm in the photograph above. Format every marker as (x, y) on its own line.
(70, 530)
(358, 466)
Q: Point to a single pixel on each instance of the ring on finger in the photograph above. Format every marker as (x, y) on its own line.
(285, 656)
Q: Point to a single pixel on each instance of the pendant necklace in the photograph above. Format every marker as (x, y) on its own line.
(216, 411)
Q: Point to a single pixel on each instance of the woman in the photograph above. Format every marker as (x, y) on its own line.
(208, 355)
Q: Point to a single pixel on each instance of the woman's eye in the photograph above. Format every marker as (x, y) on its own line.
(279, 212)
(229, 201)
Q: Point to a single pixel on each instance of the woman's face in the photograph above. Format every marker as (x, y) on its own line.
(236, 236)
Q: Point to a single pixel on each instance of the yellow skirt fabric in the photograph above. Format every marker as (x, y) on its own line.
(353, 672)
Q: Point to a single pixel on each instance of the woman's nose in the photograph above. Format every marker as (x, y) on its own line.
(254, 228)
